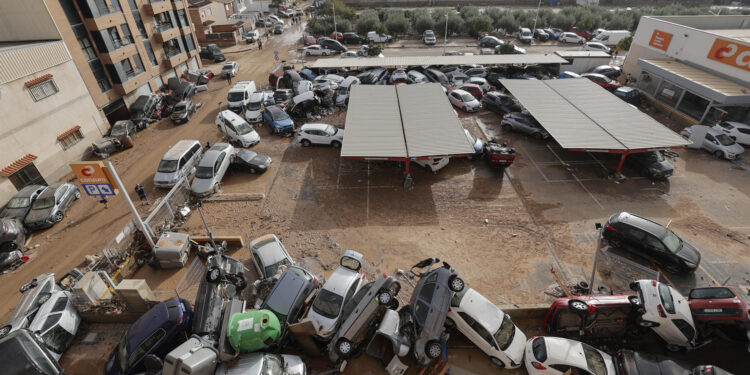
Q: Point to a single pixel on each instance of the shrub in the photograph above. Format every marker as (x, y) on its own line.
(624, 44)
(477, 24)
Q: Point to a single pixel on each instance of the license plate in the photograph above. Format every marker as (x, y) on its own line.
(712, 310)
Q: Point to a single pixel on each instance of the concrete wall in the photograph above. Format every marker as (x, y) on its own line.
(30, 127)
(25, 20)
(688, 44)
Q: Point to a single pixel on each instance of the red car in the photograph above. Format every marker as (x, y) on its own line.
(337, 36)
(602, 81)
(499, 154)
(310, 40)
(598, 316)
(473, 89)
(583, 34)
(717, 303)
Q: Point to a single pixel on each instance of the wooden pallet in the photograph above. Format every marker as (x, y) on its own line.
(440, 367)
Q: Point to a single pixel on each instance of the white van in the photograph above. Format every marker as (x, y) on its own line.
(342, 93)
(611, 37)
(239, 95)
(237, 129)
(178, 162)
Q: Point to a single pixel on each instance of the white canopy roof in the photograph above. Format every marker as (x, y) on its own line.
(365, 62)
(373, 123)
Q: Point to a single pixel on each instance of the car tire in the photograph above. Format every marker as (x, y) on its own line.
(456, 284)
(213, 274)
(578, 306)
(30, 285)
(336, 144)
(635, 301)
(385, 297)
(59, 217)
(253, 171)
(5, 331)
(78, 194)
(648, 324)
(497, 362)
(719, 154)
(43, 298)
(344, 347)
(433, 349)
(449, 324)
(305, 143)
(507, 128)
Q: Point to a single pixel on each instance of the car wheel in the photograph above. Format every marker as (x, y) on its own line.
(456, 283)
(344, 347)
(433, 349)
(240, 283)
(336, 144)
(394, 304)
(213, 275)
(307, 53)
(578, 305)
(719, 154)
(305, 143)
(673, 348)
(507, 128)
(635, 301)
(537, 136)
(58, 217)
(384, 298)
(252, 170)
(78, 194)
(27, 286)
(497, 362)
(44, 298)
(648, 324)
(5, 331)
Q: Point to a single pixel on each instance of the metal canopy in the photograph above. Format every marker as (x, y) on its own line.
(698, 81)
(580, 114)
(400, 122)
(367, 62)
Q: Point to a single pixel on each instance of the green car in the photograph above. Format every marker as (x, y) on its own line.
(253, 330)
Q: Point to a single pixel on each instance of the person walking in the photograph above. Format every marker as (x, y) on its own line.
(141, 194)
(229, 78)
(260, 44)
(103, 199)
(628, 78)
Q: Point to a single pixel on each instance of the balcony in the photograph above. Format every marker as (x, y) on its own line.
(173, 58)
(152, 7)
(104, 22)
(123, 51)
(178, 4)
(164, 32)
(135, 80)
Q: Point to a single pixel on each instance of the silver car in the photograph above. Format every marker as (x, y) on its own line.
(49, 208)
(269, 254)
(18, 206)
(263, 364)
(211, 169)
(56, 322)
(34, 294)
(523, 123)
(717, 143)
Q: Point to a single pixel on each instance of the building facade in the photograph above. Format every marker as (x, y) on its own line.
(214, 23)
(696, 67)
(49, 118)
(122, 48)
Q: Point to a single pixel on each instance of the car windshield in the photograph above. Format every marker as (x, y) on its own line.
(243, 128)
(666, 298)
(594, 360)
(284, 294)
(226, 67)
(331, 130)
(18, 202)
(235, 96)
(272, 365)
(658, 156)
(57, 338)
(504, 334)
(673, 243)
(167, 166)
(711, 293)
(279, 115)
(42, 203)
(467, 97)
(180, 108)
(725, 140)
(122, 352)
(271, 270)
(118, 131)
(204, 172)
(328, 304)
(343, 90)
(254, 106)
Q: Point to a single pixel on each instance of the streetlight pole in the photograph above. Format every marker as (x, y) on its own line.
(333, 5)
(537, 15)
(445, 41)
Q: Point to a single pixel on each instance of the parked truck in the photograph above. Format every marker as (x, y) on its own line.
(611, 37)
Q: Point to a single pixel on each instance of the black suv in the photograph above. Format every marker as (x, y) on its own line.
(287, 299)
(500, 103)
(651, 164)
(423, 319)
(490, 42)
(212, 52)
(333, 45)
(353, 38)
(652, 241)
(629, 94)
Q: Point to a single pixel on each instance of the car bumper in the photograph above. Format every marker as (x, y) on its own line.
(250, 144)
(39, 225)
(179, 120)
(164, 184)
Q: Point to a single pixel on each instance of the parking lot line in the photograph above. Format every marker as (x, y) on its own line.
(576, 178)
(533, 163)
(709, 274)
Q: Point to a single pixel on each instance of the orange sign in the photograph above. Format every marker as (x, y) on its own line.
(660, 40)
(730, 53)
(92, 173)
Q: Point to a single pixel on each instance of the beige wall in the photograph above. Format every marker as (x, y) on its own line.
(30, 127)
(25, 20)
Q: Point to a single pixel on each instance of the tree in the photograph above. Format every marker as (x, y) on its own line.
(320, 26)
(624, 43)
(276, 4)
(368, 21)
(508, 23)
(423, 22)
(468, 12)
(478, 24)
(507, 49)
(455, 24)
(587, 22)
(342, 11)
(374, 50)
(396, 23)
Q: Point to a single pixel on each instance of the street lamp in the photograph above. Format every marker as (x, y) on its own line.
(537, 15)
(445, 41)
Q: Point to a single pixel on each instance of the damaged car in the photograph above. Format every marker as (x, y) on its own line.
(49, 208)
(338, 290)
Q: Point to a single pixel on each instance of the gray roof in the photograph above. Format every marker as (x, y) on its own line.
(402, 121)
(373, 123)
(568, 53)
(580, 114)
(698, 81)
(363, 62)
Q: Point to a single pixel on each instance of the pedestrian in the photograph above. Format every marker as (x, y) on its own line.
(628, 78)
(103, 199)
(617, 51)
(229, 78)
(141, 194)
(260, 44)
(208, 145)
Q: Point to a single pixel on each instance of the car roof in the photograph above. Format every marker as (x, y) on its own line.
(594, 75)
(232, 117)
(257, 96)
(27, 191)
(209, 158)
(153, 319)
(315, 126)
(340, 280)
(642, 223)
(469, 85)
(269, 248)
(482, 310)
(50, 190)
(274, 109)
(179, 148)
(565, 351)
(713, 131)
(461, 92)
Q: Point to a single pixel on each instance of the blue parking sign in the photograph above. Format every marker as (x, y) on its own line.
(98, 189)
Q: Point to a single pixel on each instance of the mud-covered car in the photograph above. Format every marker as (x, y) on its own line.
(289, 297)
(20, 205)
(49, 208)
(224, 280)
(360, 313)
(12, 235)
(422, 321)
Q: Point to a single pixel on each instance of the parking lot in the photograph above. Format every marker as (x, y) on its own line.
(503, 230)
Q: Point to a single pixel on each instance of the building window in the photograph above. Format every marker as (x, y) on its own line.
(127, 67)
(693, 105)
(182, 18)
(114, 36)
(101, 78)
(208, 11)
(189, 43)
(70, 12)
(25, 176)
(203, 14)
(668, 93)
(138, 63)
(648, 83)
(43, 89)
(127, 38)
(70, 138)
(88, 49)
(150, 53)
(139, 25)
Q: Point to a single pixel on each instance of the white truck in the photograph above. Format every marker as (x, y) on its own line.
(374, 37)
(611, 37)
(239, 95)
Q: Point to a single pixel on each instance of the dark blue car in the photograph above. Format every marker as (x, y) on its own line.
(277, 119)
(157, 332)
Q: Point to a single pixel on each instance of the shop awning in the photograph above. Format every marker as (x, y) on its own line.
(708, 85)
(367, 62)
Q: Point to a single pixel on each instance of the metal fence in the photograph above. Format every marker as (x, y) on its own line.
(115, 250)
(187, 287)
(163, 215)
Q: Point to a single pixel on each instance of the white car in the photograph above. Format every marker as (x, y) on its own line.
(349, 54)
(269, 254)
(417, 77)
(321, 134)
(464, 100)
(342, 93)
(230, 68)
(595, 46)
(556, 356)
(568, 37)
(337, 291)
(433, 164)
(326, 81)
(237, 129)
(211, 169)
(714, 141)
(666, 312)
(316, 50)
(479, 81)
(254, 107)
(488, 327)
(275, 19)
(736, 130)
(429, 37)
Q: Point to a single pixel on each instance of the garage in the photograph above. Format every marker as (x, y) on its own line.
(582, 116)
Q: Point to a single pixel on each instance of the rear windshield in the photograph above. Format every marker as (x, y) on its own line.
(594, 360)
(504, 335)
(711, 293)
(467, 97)
(42, 203)
(18, 202)
(167, 166)
(328, 304)
(539, 347)
(279, 115)
(666, 298)
(204, 172)
(284, 293)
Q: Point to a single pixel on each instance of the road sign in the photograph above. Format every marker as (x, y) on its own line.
(94, 178)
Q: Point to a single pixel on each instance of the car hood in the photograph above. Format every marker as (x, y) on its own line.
(326, 324)
(202, 186)
(689, 253)
(165, 176)
(284, 122)
(14, 213)
(250, 137)
(517, 347)
(661, 166)
(103, 142)
(735, 148)
(293, 365)
(253, 114)
(39, 215)
(473, 104)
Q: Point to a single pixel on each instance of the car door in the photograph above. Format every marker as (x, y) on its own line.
(222, 164)
(658, 252)
(477, 333)
(633, 239)
(524, 125)
(231, 132)
(710, 143)
(456, 99)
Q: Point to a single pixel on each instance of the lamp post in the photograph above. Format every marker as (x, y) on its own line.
(333, 5)
(445, 40)
(536, 16)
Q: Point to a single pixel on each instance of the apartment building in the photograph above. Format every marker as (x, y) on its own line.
(122, 48)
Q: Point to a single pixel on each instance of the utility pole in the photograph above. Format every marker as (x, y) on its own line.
(138, 222)
(445, 40)
(333, 5)
(537, 16)
(599, 229)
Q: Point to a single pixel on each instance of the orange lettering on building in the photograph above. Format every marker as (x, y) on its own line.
(730, 53)
(660, 40)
